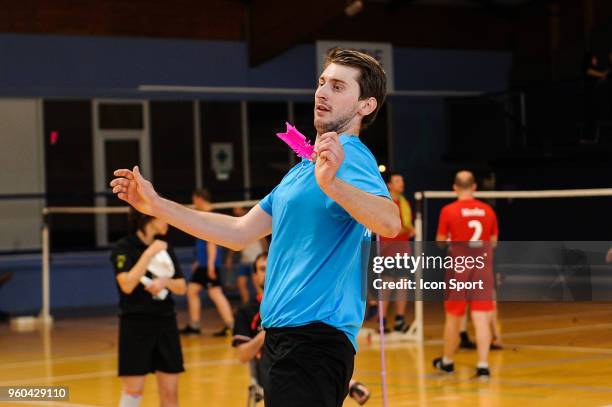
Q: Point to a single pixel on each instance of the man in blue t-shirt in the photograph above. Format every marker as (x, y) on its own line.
(318, 216)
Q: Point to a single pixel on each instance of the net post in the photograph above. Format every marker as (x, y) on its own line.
(45, 315)
(381, 333)
(417, 324)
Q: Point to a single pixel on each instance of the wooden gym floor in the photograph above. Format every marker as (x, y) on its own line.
(555, 355)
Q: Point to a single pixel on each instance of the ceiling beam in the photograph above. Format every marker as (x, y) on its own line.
(273, 27)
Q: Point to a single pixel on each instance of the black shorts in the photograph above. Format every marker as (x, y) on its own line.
(200, 276)
(147, 345)
(310, 365)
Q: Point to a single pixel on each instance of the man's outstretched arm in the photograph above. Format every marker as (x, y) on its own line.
(229, 231)
(232, 232)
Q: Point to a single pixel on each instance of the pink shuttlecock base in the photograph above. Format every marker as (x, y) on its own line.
(298, 142)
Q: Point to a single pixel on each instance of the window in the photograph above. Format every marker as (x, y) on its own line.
(69, 170)
(120, 116)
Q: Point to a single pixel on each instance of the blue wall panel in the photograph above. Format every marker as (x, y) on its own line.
(91, 66)
(61, 66)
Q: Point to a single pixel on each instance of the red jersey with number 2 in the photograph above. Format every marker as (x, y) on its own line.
(468, 220)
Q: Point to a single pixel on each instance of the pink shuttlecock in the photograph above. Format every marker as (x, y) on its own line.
(298, 142)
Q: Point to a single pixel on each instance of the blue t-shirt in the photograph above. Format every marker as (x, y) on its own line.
(201, 252)
(314, 263)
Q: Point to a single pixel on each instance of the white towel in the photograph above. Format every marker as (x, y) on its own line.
(161, 265)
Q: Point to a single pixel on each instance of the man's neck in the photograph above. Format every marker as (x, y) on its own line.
(349, 131)
(465, 196)
(395, 196)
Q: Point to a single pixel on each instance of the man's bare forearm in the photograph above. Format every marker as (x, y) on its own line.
(221, 229)
(377, 213)
(128, 280)
(177, 285)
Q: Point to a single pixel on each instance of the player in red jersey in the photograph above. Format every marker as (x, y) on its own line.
(475, 223)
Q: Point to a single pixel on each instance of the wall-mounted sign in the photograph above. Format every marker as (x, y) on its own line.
(222, 158)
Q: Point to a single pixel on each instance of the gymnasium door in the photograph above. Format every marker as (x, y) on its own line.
(121, 140)
(118, 154)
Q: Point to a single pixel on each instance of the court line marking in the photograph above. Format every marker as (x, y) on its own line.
(555, 361)
(431, 378)
(550, 331)
(557, 330)
(60, 404)
(430, 342)
(427, 400)
(113, 373)
(435, 377)
(407, 403)
(541, 317)
(104, 373)
(560, 348)
(523, 383)
(501, 381)
(439, 384)
(34, 362)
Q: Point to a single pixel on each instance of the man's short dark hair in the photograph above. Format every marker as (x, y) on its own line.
(372, 79)
(390, 174)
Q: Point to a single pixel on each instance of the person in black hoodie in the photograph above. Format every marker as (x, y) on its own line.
(249, 335)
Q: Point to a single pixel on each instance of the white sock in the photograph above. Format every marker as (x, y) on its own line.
(128, 400)
(482, 365)
(446, 361)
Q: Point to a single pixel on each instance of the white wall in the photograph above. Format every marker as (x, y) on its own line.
(21, 172)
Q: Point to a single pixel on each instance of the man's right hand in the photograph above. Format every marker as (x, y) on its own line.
(156, 247)
(157, 285)
(131, 187)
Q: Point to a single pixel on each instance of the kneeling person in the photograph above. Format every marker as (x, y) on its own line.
(249, 336)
